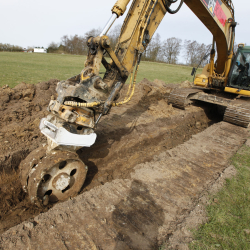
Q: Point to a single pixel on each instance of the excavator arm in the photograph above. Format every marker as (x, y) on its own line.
(83, 99)
(97, 95)
(218, 17)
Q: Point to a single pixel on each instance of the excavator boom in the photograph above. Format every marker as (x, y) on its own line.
(215, 15)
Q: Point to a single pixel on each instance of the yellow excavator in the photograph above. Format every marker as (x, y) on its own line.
(54, 173)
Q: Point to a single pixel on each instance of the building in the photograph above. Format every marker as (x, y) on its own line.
(40, 50)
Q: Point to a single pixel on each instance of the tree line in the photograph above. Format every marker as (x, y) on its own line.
(9, 47)
(167, 51)
(78, 44)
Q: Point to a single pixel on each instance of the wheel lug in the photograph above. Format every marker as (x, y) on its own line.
(61, 181)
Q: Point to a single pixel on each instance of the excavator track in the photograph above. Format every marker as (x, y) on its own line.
(236, 111)
(180, 98)
(237, 114)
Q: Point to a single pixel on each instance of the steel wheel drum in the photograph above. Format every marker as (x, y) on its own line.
(28, 163)
(57, 177)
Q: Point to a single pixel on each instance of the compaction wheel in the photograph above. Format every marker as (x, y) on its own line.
(56, 177)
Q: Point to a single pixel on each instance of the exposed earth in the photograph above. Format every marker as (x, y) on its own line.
(130, 136)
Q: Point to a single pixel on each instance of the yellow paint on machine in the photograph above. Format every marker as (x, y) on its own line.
(201, 80)
(236, 91)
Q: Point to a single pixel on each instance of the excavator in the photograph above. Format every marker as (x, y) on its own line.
(54, 173)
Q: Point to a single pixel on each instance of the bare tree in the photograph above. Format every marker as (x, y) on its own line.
(153, 50)
(114, 35)
(52, 48)
(93, 32)
(9, 47)
(171, 49)
(65, 43)
(74, 44)
(195, 52)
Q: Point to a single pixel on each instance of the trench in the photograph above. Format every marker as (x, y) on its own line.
(132, 134)
(117, 150)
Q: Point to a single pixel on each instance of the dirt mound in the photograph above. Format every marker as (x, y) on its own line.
(129, 135)
(21, 109)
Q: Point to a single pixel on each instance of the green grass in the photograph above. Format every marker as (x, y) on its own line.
(33, 68)
(229, 218)
(166, 72)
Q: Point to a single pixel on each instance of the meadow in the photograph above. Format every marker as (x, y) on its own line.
(17, 67)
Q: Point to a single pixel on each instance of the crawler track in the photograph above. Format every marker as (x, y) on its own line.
(138, 212)
(238, 114)
(180, 98)
(236, 111)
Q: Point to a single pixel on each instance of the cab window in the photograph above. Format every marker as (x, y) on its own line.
(240, 77)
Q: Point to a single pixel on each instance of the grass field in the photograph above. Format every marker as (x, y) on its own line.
(229, 217)
(33, 68)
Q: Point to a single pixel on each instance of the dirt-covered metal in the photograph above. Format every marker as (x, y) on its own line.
(57, 177)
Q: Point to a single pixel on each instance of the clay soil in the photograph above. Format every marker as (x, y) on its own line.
(129, 135)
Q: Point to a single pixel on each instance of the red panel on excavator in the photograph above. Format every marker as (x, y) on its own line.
(215, 8)
(220, 14)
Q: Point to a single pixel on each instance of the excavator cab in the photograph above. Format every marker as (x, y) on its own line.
(239, 76)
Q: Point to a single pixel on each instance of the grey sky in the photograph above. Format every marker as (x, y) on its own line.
(37, 23)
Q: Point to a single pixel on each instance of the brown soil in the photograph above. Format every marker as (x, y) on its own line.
(149, 208)
(130, 135)
(21, 109)
(183, 235)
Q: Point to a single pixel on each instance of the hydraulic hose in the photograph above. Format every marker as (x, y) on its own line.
(128, 97)
(93, 104)
(80, 104)
(172, 1)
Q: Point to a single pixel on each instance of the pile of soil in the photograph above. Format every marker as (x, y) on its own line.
(129, 135)
(21, 109)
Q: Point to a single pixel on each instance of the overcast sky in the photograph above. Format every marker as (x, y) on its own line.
(37, 23)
